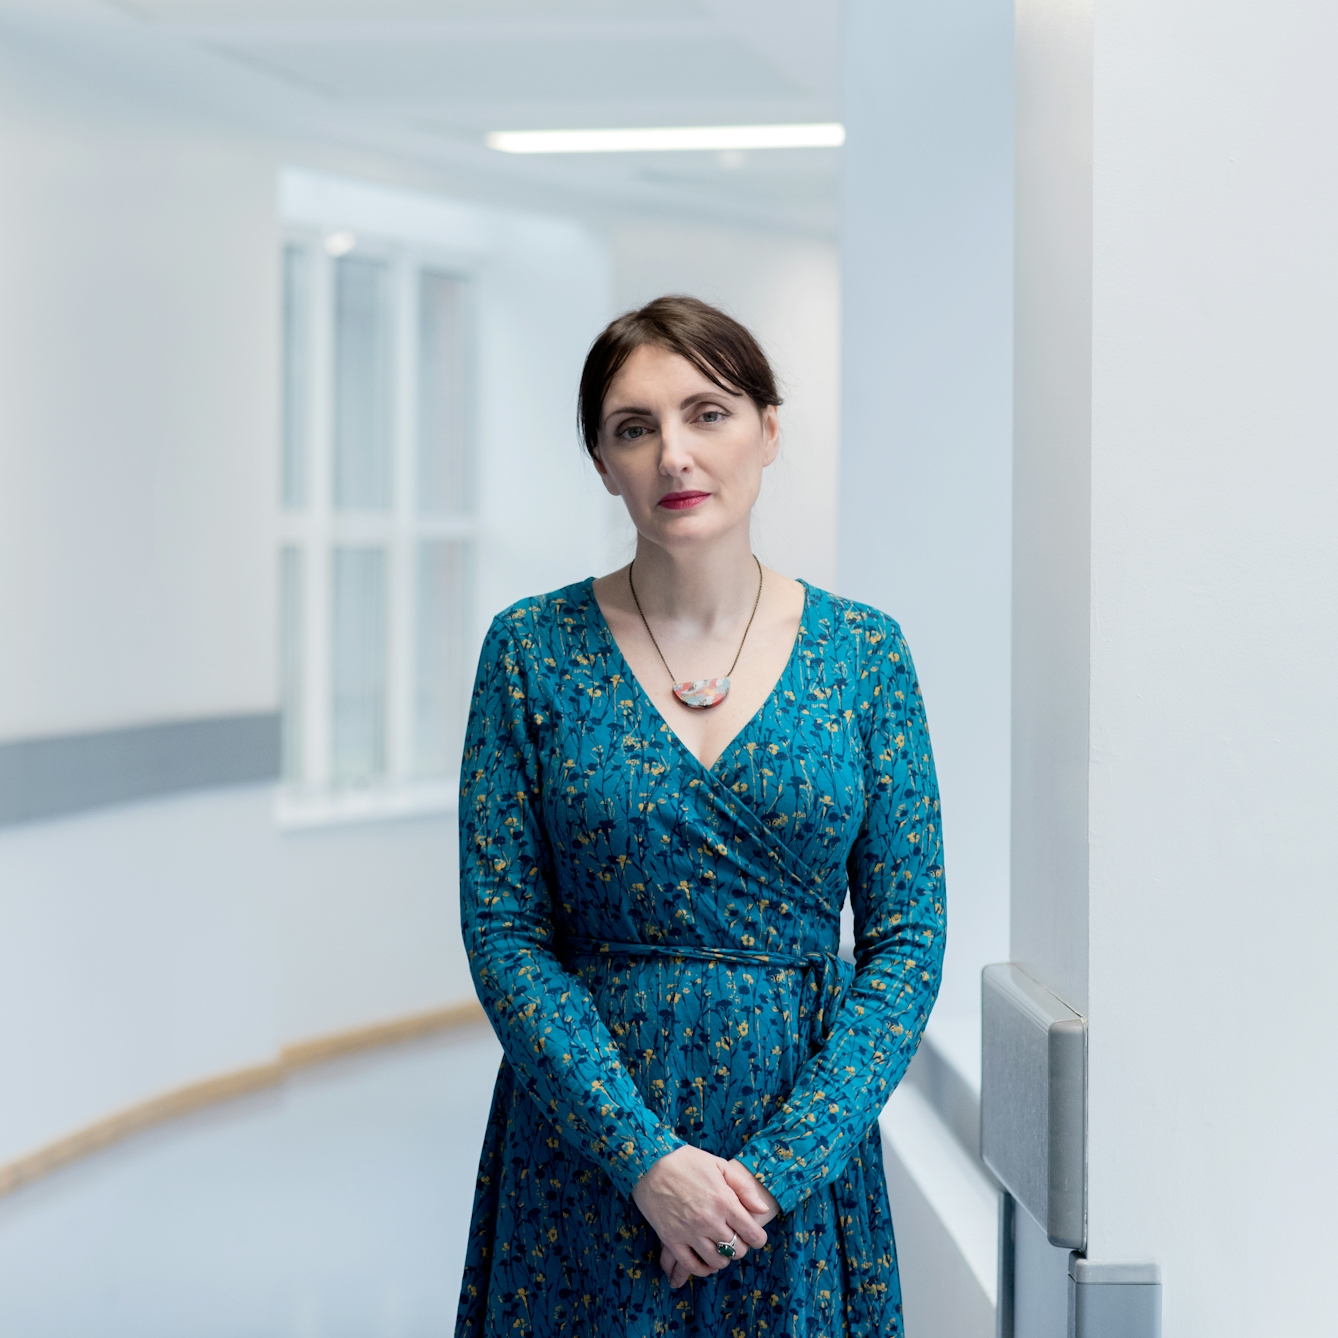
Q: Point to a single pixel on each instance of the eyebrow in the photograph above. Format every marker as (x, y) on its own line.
(684, 404)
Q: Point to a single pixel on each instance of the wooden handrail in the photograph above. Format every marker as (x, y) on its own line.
(229, 1086)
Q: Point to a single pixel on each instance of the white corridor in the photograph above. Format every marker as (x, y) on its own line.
(333, 1206)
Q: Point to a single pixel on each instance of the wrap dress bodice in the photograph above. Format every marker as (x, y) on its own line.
(656, 944)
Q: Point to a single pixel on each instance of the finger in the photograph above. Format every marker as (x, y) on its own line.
(745, 1187)
(749, 1231)
(734, 1238)
(694, 1263)
(740, 1249)
(749, 1191)
(713, 1255)
(673, 1264)
(688, 1261)
(746, 1220)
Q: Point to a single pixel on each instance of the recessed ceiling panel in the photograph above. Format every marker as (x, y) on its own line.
(398, 11)
(523, 71)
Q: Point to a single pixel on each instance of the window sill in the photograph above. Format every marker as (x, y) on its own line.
(298, 810)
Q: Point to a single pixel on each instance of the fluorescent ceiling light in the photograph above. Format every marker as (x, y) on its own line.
(827, 135)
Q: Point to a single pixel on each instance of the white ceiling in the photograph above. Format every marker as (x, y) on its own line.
(391, 11)
(478, 76)
(423, 79)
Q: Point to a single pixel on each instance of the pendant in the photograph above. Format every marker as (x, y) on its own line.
(702, 693)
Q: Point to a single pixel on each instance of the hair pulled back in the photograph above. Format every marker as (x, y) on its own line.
(724, 351)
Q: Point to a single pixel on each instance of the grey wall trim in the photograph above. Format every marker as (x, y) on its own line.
(1094, 1272)
(1114, 1300)
(72, 773)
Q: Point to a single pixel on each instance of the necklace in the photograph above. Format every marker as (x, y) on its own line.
(699, 693)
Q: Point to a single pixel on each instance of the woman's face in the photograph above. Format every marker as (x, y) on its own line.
(685, 456)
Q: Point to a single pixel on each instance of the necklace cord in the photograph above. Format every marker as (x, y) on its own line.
(631, 585)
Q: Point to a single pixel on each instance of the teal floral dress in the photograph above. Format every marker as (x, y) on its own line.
(656, 944)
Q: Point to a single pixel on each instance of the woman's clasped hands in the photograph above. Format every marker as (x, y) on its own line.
(693, 1201)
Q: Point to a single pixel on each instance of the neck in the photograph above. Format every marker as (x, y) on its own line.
(705, 584)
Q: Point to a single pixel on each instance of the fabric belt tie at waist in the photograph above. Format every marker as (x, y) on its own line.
(834, 974)
(584, 948)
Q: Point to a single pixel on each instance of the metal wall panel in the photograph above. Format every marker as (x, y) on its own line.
(1034, 1101)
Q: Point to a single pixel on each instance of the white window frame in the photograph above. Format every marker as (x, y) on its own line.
(316, 528)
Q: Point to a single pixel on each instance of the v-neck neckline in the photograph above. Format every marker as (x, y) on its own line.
(649, 702)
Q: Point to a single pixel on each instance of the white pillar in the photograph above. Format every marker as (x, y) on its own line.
(926, 408)
(924, 533)
(1051, 486)
(1176, 580)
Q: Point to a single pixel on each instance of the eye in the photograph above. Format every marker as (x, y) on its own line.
(713, 416)
(632, 432)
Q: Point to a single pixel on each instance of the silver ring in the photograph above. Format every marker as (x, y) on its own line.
(726, 1247)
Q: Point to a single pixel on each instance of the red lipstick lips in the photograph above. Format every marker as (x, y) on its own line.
(681, 501)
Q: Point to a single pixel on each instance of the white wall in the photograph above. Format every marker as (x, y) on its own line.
(153, 944)
(138, 951)
(368, 924)
(945, 1210)
(926, 402)
(546, 298)
(925, 511)
(787, 291)
(1052, 468)
(139, 356)
(1052, 573)
(138, 346)
(1198, 894)
(1214, 850)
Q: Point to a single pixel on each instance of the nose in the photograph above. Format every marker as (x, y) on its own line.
(675, 455)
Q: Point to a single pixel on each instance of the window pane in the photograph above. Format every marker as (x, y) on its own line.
(291, 660)
(358, 668)
(441, 678)
(296, 371)
(362, 390)
(444, 482)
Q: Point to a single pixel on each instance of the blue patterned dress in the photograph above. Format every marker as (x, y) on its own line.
(656, 945)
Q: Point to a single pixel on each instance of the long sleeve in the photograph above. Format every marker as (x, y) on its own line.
(562, 1052)
(895, 873)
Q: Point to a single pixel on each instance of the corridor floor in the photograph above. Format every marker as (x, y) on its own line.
(335, 1206)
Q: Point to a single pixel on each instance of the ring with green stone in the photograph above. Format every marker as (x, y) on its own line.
(726, 1247)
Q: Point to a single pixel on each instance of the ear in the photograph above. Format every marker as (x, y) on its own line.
(770, 434)
(604, 476)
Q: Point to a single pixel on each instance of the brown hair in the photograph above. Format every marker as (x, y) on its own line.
(724, 351)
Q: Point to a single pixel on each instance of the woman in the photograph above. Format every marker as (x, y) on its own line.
(683, 1135)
